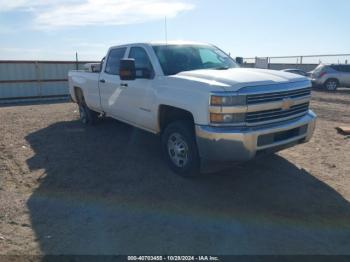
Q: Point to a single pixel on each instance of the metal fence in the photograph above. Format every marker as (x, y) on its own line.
(281, 66)
(304, 62)
(39, 80)
(35, 80)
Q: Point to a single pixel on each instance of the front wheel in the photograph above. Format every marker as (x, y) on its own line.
(331, 85)
(180, 148)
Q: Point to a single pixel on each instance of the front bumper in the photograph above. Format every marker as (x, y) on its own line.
(242, 144)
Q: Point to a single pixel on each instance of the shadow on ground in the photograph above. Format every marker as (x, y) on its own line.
(106, 190)
(35, 101)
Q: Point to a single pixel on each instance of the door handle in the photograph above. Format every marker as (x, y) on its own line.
(102, 81)
(124, 85)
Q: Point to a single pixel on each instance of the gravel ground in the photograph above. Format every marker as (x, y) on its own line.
(69, 189)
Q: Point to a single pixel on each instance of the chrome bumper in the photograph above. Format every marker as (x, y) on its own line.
(241, 144)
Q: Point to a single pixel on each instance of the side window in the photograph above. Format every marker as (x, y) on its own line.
(339, 68)
(345, 68)
(327, 69)
(113, 60)
(143, 64)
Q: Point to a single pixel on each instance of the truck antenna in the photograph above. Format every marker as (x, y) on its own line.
(166, 30)
(76, 60)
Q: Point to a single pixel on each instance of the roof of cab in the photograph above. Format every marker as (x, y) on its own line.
(177, 43)
(158, 43)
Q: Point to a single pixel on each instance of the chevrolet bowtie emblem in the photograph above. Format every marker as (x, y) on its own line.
(287, 103)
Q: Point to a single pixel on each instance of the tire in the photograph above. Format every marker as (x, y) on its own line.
(180, 148)
(331, 84)
(86, 115)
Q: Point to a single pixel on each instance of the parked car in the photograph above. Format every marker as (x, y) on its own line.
(331, 76)
(202, 104)
(296, 71)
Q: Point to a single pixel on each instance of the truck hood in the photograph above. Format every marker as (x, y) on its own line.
(236, 78)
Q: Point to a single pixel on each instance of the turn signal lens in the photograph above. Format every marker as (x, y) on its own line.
(216, 118)
(226, 118)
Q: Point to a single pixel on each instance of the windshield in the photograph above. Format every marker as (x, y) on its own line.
(318, 69)
(179, 58)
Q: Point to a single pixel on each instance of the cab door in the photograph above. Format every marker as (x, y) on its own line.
(140, 93)
(114, 98)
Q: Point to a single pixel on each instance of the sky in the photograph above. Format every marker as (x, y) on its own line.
(56, 29)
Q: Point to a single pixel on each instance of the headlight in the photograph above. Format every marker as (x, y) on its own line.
(219, 101)
(235, 100)
(227, 118)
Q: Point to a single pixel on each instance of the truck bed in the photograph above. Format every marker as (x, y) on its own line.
(88, 83)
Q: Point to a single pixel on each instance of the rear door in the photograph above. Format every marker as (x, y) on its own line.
(340, 74)
(346, 75)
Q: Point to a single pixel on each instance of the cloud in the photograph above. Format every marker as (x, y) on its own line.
(28, 5)
(11, 5)
(67, 13)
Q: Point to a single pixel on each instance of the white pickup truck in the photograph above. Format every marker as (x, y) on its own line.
(204, 106)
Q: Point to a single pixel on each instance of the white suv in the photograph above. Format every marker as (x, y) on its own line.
(331, 76)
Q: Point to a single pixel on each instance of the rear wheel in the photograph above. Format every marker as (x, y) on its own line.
(331, 84)
(180, 148)
(86, 115)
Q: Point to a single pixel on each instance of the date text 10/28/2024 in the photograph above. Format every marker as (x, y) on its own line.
(173, 258)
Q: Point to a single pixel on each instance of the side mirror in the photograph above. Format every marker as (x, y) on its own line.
(127, 69)
(239, 60)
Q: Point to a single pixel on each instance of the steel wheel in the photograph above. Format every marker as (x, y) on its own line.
(331, 85)
(178, 150)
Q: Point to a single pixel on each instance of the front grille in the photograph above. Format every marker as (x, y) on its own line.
(277, 96)
(275, 114)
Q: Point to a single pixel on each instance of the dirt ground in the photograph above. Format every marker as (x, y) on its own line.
(69, 189)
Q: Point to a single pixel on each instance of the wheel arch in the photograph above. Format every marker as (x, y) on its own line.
(168, 114)
(79, 95)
